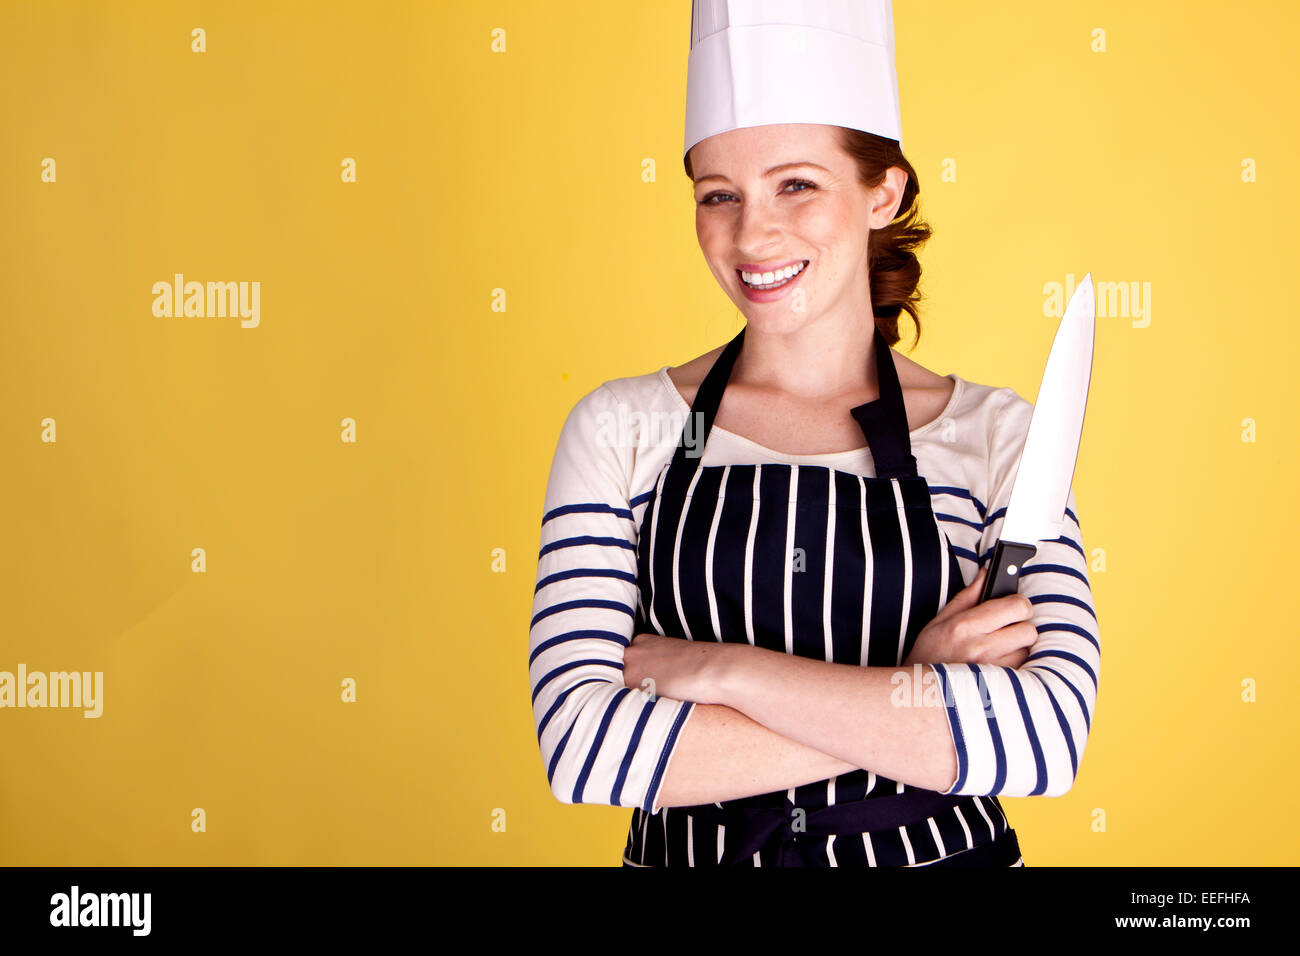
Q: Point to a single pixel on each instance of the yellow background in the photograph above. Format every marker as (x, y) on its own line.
(521, 171)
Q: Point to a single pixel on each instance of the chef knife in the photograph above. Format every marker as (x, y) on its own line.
(1042, 484)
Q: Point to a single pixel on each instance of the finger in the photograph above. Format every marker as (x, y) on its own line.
(966, 598)
(1013, 660)
(1013, 639)
(1027, 633)
(1001, 612)
(980, 575)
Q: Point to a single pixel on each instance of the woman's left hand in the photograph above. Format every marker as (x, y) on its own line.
(672, 667)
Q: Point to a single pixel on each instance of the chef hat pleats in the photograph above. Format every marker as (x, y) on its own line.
(757, 62)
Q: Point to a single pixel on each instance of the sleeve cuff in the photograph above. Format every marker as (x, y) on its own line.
(666, 756)
(954, 725)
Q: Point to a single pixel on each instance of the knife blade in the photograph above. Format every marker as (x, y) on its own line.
(1042, 484)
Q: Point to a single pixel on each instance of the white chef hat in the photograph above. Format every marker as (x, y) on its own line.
(757, 62)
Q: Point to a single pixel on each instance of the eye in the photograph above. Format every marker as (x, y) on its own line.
(709, 200)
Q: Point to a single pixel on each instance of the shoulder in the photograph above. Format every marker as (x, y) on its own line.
(649, 391)
(618, 431)
(928, 396)
(990, 415)
(622, 396)
(912, 374)
(994, 404)
(686, 378)
(990, 424)
(976, 438)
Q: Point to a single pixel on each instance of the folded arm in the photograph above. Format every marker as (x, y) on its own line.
(603, 742)
(802, 722)
(959, 728)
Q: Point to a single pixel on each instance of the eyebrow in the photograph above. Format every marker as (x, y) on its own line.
(774, 169)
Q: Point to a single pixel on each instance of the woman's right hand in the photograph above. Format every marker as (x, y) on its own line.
(964, 631)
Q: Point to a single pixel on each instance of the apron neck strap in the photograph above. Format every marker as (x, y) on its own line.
(883, 420)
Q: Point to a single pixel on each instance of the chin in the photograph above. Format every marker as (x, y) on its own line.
(774, 321)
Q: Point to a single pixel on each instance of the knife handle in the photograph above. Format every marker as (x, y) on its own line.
(1004, 569)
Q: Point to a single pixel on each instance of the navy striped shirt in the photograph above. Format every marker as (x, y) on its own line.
(1015, 732)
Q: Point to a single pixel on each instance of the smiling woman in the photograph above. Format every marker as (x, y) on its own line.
(722, 619)
(858, 161)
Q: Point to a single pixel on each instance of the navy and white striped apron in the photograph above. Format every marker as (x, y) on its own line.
(820, 563)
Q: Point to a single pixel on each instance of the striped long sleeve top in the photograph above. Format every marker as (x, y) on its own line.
(1015, 732)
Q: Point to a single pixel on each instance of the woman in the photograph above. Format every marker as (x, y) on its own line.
(757, 631)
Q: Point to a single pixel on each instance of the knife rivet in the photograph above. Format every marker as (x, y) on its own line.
(1011, 569)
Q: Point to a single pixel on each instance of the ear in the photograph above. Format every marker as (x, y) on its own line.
(887, 197)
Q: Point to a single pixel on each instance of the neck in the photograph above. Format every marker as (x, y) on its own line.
(822, 359)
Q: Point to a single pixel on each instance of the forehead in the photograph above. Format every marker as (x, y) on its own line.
(755, 149)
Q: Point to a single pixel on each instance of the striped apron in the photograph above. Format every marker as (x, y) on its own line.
(824, 564)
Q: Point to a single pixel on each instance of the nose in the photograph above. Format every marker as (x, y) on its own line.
(758, 231)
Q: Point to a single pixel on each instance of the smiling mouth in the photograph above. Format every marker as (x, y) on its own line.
(766, 281)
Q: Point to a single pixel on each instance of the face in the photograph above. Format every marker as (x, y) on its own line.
(782, 206)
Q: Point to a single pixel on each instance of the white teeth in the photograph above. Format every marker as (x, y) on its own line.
(765, 280)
